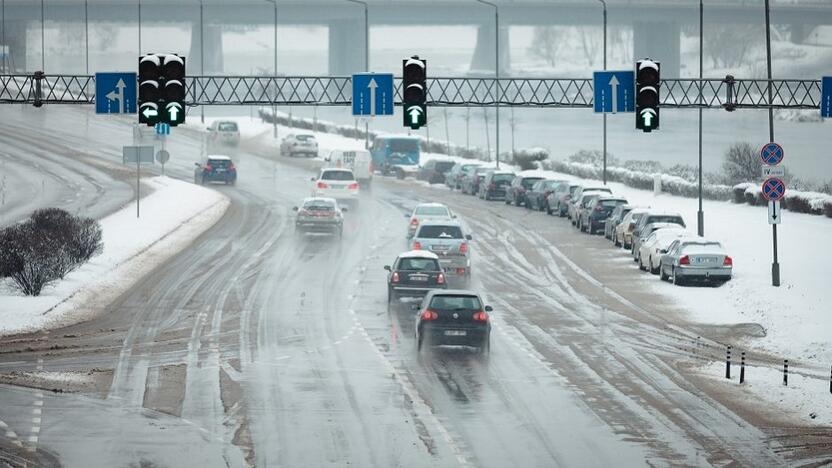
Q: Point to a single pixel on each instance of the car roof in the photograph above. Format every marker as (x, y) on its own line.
(335, 169)
(431, 204)
(612, 198)
(419, 254)
(328, 199)
(603, 189)
(638, 210)
(663, 213)
(452, 292)
(662, 225)
(499, 172)
(220, 157)
(441, 223)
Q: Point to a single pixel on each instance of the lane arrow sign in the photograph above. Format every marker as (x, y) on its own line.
(118, 95)
(774, 212)
(372, 85)
(614, 86)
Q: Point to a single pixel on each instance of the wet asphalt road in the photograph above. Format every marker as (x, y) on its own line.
(259, 347)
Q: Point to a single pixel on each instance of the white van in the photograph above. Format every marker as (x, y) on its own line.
(360, 161)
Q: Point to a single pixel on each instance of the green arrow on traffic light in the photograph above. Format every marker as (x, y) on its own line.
(647, 116)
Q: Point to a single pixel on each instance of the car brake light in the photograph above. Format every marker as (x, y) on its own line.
(728, 261)
(480, 316)
(395, 277)
(685, 260)
(322, 185)
(353, 186)
(417, 245)
(414, 221)
(208, 168)
(429, 315)
(460, 271)
(598, 208)
(440, 279)
(463, 247)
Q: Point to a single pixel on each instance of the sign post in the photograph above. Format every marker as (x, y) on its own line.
(139, 155)
(774, 189)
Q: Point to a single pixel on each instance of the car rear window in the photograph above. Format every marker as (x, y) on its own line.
(527, 182)
(455, 302)
(665, 219)
(612, 203)
(227, 126)
(403, 146)
(502, 177)
(219, 162)
(305, 137)
(703, 248)
(440, 232)
(419, 264)
(337, 175)
(319, 205)
(432, 211)
(444, 166)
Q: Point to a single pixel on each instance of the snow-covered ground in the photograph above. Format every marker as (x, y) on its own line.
(132, 248)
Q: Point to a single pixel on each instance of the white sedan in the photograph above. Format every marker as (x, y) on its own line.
(336, 183)
(650, 251)
(427, 212)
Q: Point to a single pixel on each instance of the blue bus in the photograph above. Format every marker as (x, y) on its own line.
(396, 154)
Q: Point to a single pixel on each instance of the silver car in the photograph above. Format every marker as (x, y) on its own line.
(696, 259)
(425, 212)
(449, 242)
(301, 144)
(319, 215)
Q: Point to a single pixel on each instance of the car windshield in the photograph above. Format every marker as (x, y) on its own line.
(222, 163)
(665, 219)
(527, 182)
(502, 177)
(440, 232)
(455, 302)
(337, 175)
(227, 126)
(403, 146)
(419, 264)
(305, 138)
(432, 211)
(319, 205)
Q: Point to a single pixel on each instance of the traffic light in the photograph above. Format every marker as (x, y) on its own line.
(648, 82)
(161, 89)
(414, 92)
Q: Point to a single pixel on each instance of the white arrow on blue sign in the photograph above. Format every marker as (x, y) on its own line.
(372, 94)
(826, 97)
(115, 93)
(614, 91)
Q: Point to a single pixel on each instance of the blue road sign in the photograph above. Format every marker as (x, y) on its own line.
(115, 93)
(614, 91)
(372, 94)
(774, 189)
(826, 97)
(162, 128)
(772, 154)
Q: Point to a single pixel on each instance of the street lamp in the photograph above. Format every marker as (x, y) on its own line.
(366, 61)
(604, 174)
(496, 71)
(700, 215)
(274, 78)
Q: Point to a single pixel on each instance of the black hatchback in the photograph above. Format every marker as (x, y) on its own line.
(453, 318)
(414, 273)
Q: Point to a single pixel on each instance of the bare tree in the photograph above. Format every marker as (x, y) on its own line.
(547, 43)
(729, 45)
(741, 164)
(590, 42)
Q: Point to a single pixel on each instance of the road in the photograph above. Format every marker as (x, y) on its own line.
(258, 347)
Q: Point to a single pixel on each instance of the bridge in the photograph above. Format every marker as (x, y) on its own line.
(657, 25)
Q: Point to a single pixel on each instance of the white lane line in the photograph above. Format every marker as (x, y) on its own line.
(37, 411)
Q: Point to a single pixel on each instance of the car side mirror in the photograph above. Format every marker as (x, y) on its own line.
(488, 308)
(406, 215)
(453, 216)
(387, 267)
(414, 307)
(313, 179)
(197, 164)
(344, 209)
(294, 208)
(664, 251)
(327, 160)
(208, 128)
(468, 236)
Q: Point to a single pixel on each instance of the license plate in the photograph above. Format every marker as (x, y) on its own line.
(418, 278)
(445, 261)
(455, 332)
(707, 260)
(220, 170)
(337, 187)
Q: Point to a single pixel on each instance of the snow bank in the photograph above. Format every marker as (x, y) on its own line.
(171, 218)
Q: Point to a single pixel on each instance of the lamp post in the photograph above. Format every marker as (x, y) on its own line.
(366, 61)
(274, 106)
(86, 38)
(496, 73)
(775, 264)
(604, 173)
(700, 215)
(201, 54)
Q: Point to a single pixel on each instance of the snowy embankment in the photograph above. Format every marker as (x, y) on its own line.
(171, 218)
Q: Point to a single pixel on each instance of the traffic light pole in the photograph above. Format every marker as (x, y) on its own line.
(201, 55)
(700, 215)
(604, 175)
(775, 265)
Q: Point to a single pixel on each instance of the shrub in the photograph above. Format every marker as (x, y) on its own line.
(739, 192)
(827, 208)
(527, 158)
(643, 166)
(741, 164)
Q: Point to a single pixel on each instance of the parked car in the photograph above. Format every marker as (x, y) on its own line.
(655, 245)
(623, 234)
(359, 161)
(319, 214)
(615, 217)
(572, 212)
(471, 181)
(414, 273)
(224, 132)
(594, 217)
(427, 212)
(640, 231)
(493, 187)
(449, 242)
(581, 208)
(339, 184)
(434, 171)
(560, 198)
(454, 178)
(215, 168)
(453, 318)
(537, 196)
(516, 192)
(299, 144)
(696, 259)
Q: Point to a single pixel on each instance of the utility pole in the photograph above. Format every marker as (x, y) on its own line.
(700, 215)
(604, 173)
(775, 265)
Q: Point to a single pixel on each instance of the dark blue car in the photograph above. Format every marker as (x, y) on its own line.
(215, 169)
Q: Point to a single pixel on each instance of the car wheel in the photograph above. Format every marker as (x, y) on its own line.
(653, 269)
(662, 275)
(615, 240)
(487, 197)
(676, 280)
(420, 342)
(485, 348)
(507, 200)
(641, 264)
(390, 295)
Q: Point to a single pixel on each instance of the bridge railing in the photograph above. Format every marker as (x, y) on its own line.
(726, 93)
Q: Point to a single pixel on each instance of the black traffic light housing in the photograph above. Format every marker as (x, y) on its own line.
(414, 92)
(648, 84)
(161, 89)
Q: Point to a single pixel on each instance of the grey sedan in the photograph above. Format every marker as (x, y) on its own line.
(696, 259)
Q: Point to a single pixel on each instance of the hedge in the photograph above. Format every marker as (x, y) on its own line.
(798, 201)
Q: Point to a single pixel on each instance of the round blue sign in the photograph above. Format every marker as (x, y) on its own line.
(772, 154)
(774, 189)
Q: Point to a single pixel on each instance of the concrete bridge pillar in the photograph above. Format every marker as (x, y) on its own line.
(15, 33)
(346, 47)
(483, 59)
(212, 50)
(660, 42)
(800, 32)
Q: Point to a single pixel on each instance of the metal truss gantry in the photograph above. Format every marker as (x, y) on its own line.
(725, 93)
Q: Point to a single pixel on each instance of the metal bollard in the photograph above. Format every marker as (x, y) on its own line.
(830, 381)
(742, 367)
(728, 363)
(786, 372)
